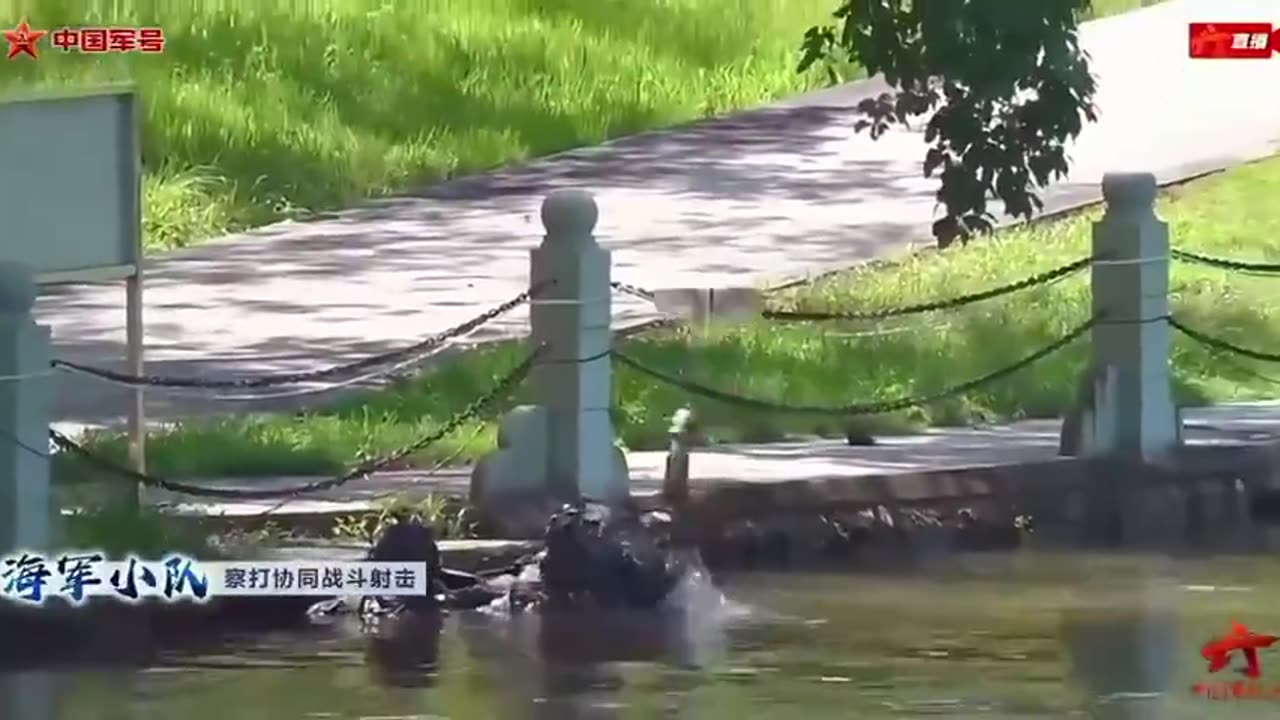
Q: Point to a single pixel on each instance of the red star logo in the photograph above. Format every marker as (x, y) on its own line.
(22, 39)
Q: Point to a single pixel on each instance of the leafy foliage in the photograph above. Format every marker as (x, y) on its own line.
(1006, 82)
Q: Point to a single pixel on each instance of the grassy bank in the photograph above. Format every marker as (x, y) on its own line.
(261, 110)
(1232, 214)
(120, 529)
(268, 109)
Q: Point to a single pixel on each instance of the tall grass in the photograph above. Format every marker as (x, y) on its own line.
(272, 108)
(260, 110)
(1232, 214)
(266, 109)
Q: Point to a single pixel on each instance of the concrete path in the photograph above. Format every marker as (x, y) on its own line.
(778, 192)
(812, 461)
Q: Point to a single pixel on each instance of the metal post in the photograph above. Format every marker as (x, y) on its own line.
(571, 318)
(131, 134)
(26, 503)
(130, 494)
(1133, 402)
(137, 397)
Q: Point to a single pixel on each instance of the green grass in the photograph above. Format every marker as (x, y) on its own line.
(269, 109)
(262, 110)
(1231, 214)
(118, 529)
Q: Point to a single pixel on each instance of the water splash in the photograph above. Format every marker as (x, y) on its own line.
(697, 594)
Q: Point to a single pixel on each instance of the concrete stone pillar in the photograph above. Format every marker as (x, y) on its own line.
(571, 318)
(1133, 411)
(509, 485)
(26, 506)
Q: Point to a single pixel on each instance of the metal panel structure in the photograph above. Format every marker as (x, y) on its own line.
(69, 184)
(70, 200)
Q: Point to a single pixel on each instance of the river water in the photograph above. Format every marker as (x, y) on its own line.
(1008, 636)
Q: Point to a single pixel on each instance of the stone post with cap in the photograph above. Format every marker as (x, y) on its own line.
(571, 318)
(561, 449)
(25, 406)
(1125, 407)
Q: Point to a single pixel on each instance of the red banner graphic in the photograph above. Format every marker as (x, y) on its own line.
(1233, 40)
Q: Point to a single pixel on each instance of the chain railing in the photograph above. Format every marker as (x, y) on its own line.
(471, 412)
(865, 408)
(1230, 360)
(415, 352)
(649, 325)
(1220, 344)
(399, 358)
(1226, 263)
(933, 306)
(569, 227)
(1043, 278)
(633, 290)
(65, 444)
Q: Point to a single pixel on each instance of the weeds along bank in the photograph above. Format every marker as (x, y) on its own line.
(264, 109)
(1228, 215)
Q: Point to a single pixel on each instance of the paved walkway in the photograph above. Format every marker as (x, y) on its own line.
(777, 192)
(813, 461)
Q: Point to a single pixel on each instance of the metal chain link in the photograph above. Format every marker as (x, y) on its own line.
(1229, 360)
(470, 412)
(1220, 344)
(646, 327)
(867, 408)
(1225, 264)
(634, 290)
(871, 264)
(1039, 279)
(294, 378)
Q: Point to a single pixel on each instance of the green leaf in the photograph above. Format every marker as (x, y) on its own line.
(1006, 80)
